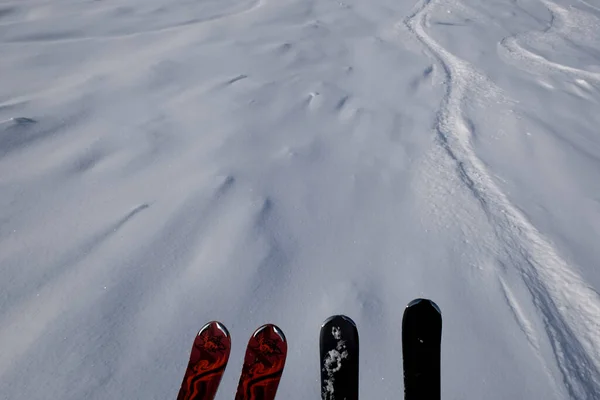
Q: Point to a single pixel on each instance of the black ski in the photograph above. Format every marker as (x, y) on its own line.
(421, 345)
(339, 359)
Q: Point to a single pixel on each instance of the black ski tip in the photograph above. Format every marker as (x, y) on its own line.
(339, 355)
(424, 303)
(421, 348)
(339, 317)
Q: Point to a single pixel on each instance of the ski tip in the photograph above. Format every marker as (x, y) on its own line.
(270, 328)
(338, 317)
(214, 326)
(424, 302)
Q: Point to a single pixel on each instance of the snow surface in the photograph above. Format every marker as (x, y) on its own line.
(164, 163)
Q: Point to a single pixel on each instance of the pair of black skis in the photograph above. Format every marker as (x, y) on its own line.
(421, 345)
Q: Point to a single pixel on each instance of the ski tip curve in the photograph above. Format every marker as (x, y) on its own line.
(422, 302)
(215, 325)
(270, 327)
(339, 316)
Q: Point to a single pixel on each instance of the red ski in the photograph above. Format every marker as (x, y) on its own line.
(208, 360)
(263, 364)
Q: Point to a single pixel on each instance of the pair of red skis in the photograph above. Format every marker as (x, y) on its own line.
(263, 364)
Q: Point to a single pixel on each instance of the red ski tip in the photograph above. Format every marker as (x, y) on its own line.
(208, 359)
(263, 364)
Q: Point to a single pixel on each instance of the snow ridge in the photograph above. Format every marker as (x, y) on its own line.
(569, 307)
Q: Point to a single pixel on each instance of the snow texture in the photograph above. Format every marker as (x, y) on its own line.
(165, 163)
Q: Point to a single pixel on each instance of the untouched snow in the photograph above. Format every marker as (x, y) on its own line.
(164, 163)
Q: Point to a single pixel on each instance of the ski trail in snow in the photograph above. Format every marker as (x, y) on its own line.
(528, 330)
(569, 307)
(511, 49)
(520, 316)
(590, 5)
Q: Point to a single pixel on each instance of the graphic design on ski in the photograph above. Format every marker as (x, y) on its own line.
(338, 345)
(208, 360)
(421, 345)
(263, 364)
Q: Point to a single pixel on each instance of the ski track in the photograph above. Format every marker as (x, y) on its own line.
(569, 308)
(526, 59)
(590, 5)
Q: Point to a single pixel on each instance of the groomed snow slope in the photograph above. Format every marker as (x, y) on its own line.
(164, 163)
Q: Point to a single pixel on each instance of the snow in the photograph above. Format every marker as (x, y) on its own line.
(164, 163)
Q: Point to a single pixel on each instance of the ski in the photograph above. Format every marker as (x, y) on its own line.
(208, 360)
(263, 364)
(421, 345)
(338, 345)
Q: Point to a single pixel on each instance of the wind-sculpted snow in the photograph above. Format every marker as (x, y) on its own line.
(168, 163)
(73, 20)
